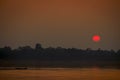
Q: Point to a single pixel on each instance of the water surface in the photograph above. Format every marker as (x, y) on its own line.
(61, 74)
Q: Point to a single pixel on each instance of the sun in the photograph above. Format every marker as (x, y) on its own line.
(96, 38)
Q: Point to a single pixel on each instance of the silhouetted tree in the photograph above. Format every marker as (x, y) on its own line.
(61, 57)
(5, 52)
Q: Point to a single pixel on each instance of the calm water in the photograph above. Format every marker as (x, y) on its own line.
(61, 74)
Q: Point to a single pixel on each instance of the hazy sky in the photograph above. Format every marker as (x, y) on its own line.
(66, 23)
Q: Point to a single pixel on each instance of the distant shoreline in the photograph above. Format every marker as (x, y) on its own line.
(53, 68)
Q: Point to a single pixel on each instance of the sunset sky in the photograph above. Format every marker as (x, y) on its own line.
(65, 23)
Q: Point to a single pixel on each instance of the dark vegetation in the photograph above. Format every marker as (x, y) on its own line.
(58, 57)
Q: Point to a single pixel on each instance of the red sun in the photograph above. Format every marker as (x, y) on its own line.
(96, 38)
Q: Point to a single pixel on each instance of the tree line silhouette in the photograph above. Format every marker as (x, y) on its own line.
(58, 57)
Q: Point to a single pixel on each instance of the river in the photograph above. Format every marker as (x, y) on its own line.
(61, 74)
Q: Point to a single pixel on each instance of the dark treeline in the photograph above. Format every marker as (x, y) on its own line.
(58, 57)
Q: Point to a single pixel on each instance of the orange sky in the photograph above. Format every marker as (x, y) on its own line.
(66, 23)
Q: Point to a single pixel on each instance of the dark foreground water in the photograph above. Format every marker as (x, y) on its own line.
(61, 74)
